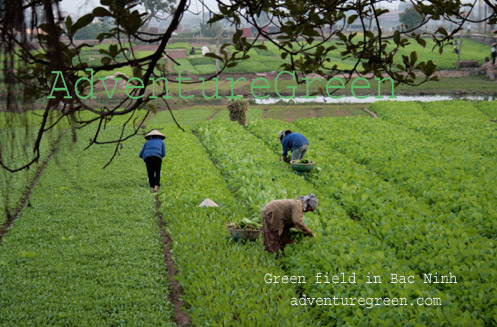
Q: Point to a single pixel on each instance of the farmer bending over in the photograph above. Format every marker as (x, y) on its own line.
(279, 216)
(295, 142)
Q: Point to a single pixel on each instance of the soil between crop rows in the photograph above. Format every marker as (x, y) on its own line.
(176, 292)
(12, 216)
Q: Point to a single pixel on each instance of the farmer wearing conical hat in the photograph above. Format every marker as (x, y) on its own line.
(294, 142)
(152, 153)
(279, 216)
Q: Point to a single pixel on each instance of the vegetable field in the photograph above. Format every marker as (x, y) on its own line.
(412, 194)
(270, 60)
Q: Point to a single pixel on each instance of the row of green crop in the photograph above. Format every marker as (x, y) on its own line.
(429, 241)
(455, 108)
(193, 116)
(454, 183)
(453, 122)
(442, 223)
(87, 250)
(31, 118)
(34, 118)
(340, 245)
(222, 280)
(253, 65)
(16, 150)
(18, 134)
(489, 108)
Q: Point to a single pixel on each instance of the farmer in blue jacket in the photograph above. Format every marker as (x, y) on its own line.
(295, 142)
(152, 152)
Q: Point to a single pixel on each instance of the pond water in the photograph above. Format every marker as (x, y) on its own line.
(371, 99)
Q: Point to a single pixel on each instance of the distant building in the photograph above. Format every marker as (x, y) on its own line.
(273, 29)
(246, 32)
(390, 19)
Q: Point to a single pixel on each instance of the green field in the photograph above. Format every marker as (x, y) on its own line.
(409, 194)
(270, 60)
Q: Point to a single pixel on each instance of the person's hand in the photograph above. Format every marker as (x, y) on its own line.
(286, 159)
(310, 233)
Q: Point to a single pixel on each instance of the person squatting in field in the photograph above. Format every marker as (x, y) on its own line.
(279, 216)
(152, 153)
(295, 142)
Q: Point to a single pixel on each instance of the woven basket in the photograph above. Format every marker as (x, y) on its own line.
(302, 167)
(243, 234)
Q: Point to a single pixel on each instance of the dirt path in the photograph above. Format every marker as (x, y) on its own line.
(372, 114)
(176, 292)
(213, 114)
(264, 114)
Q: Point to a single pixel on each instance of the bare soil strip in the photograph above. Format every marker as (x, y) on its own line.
(213, 114)
(264, 114)
(176, 292)
(12, 216)
(372, 114)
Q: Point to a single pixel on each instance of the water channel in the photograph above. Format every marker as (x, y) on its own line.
(371, 99)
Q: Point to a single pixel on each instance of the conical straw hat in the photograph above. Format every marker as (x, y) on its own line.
(208, 203)
(153, 133)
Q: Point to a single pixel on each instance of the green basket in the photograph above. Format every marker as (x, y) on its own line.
(243, 234)
(302, 167)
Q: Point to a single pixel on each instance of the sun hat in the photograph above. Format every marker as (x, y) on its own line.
(154, 132)
(281, 134)
(310, 200)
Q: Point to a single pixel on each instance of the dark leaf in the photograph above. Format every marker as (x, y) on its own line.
(352, 19)
(236, 36)
(396, 37)
(414, 57)
(213, 55)
(82, 22)
(105, 60)
(101, 12)
(68, 24)
(421, 42)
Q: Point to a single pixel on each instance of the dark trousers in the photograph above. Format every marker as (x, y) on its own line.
(494, 55)
(153, 170)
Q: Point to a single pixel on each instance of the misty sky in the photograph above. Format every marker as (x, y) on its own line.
(81, 7)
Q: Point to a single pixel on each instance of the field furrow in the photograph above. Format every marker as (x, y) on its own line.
(340, 243)
(425, 238)
(404, 230)
(466, 128)
(17, 151)
(86, 251)
(489, 108)
(222, 280)
(454, 183)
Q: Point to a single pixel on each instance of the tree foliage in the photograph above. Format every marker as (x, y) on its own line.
(302, 31)
(410, 18)
(209, 30)
(91, 31)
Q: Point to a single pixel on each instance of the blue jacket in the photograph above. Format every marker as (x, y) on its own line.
(154, 147)
(292, 142)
